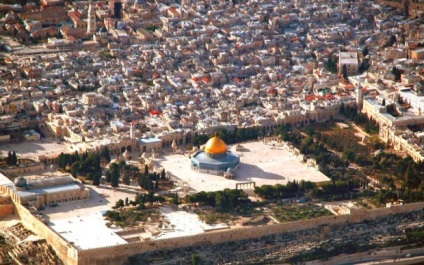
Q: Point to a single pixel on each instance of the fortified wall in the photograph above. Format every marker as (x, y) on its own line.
(6, 209)
(119, 254)
(66, 252)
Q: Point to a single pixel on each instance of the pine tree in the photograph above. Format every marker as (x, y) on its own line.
(163, 174)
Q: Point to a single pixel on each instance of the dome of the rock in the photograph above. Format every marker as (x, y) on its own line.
(215, 158)
(215, 145)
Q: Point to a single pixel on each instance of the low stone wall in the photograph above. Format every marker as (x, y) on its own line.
(23, 168)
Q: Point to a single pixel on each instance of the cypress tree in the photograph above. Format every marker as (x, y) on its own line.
(14, 159)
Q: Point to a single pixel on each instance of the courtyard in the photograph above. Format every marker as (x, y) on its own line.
(260, 163)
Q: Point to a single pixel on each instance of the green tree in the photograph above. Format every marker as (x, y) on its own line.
(119, 204)
(108, 177)
(163, 174)
(175, 199)
(114, 175)
(105, 153)
(126, 179)
(397, 73)
(365, 65)
(114, 182)
(14, 159)
(331, 65)
(76, 168)
(96, 179)
(365, 51)
(344, 72)
(9, 159)
(195, 259)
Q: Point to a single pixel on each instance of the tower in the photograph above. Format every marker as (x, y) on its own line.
(132, 131)
(359, 97)
(91, 23)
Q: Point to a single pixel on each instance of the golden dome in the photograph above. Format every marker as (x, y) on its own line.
(215, 145)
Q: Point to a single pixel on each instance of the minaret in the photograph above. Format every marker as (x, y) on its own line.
(91, 22)
(132, 131)
(359, 97)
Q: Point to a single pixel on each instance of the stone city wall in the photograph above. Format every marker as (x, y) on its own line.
(361, 214)
(118, 254)
(6, 209)
(66, 252)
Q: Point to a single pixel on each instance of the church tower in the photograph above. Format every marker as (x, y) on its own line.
(91, 22)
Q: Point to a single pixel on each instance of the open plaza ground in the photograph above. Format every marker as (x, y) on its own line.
(33, 149)
(259, 163)
(77, 219)
(81, 222)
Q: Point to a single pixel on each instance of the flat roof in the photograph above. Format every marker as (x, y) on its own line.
(76, 230)
(47, 190)
(5, 181)
(149, 140)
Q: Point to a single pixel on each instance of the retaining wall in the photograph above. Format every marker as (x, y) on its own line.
(118, 254)
(6, 209)
(66, 252)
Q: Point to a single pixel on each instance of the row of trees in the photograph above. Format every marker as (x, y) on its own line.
(352, 113)
(140, 200)
(222, 200)
(67, 160)
(231, 137)
(335, 188)
(280, 191)
(86, 165)
(146, 180)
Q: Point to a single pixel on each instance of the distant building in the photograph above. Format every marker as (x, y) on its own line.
(40, 192)
(417, 54)
(350, 59)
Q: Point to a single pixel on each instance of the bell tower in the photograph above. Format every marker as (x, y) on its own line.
(91, 22)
